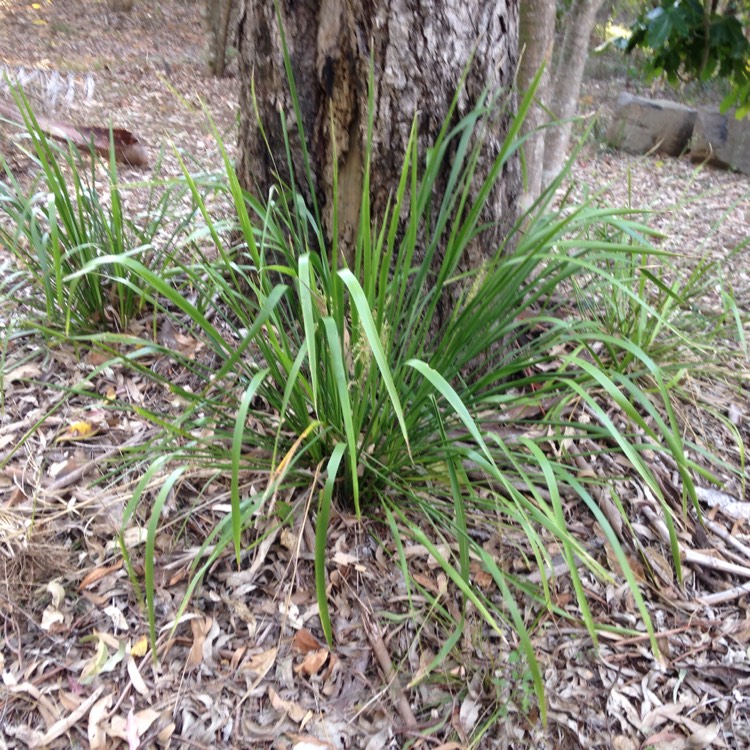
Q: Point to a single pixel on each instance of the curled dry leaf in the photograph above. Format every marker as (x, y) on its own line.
(166, 733)
(80, 430)
(140, 647)
(65, 468)
(171, 338)
(135, 726)
(259, 664)
(313, 662)
(118, 618)
(23, 372)
(52, 619)
(97, 574)
(135, 677)
(480, 576)
(304, 642)
(200, 627)
(468, 714)
(345, 559)
(62, 726)
(57, 592)
(96, 727)
(293, 710)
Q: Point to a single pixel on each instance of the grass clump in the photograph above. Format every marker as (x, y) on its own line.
(331, 379)
(69, 231)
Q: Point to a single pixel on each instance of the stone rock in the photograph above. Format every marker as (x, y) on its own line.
(721, 140)
(640, 125)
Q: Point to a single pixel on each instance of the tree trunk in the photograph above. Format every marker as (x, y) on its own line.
(221, 15)
(570, 64)
(420, 49)
(536, 40)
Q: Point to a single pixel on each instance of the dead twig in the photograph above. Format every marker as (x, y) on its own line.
(59, 728)
(381, 654)
(127, 148)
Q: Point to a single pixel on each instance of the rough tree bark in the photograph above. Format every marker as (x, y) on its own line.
(536, 41)
(419, 47)
(568, 76)
(221, 17)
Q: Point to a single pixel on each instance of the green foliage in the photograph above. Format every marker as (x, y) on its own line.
(650, 300)
(71, 224)
(685, 39)
(356, 390)
(333, 385)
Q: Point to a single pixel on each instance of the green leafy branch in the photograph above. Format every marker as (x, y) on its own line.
(687, 39)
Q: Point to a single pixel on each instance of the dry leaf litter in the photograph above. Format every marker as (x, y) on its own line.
(245, 665)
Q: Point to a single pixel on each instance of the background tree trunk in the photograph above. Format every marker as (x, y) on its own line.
(221, 19)
(570, 63)
(536, 40)
(420, 48)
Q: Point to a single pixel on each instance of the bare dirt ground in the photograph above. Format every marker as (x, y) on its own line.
(245, 666)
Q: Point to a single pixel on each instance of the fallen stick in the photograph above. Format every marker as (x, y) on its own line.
(727, 537)
(706, 561)
(60, 727)
(381, 654)
(722, 597)
(714, 563)
(128, 149)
